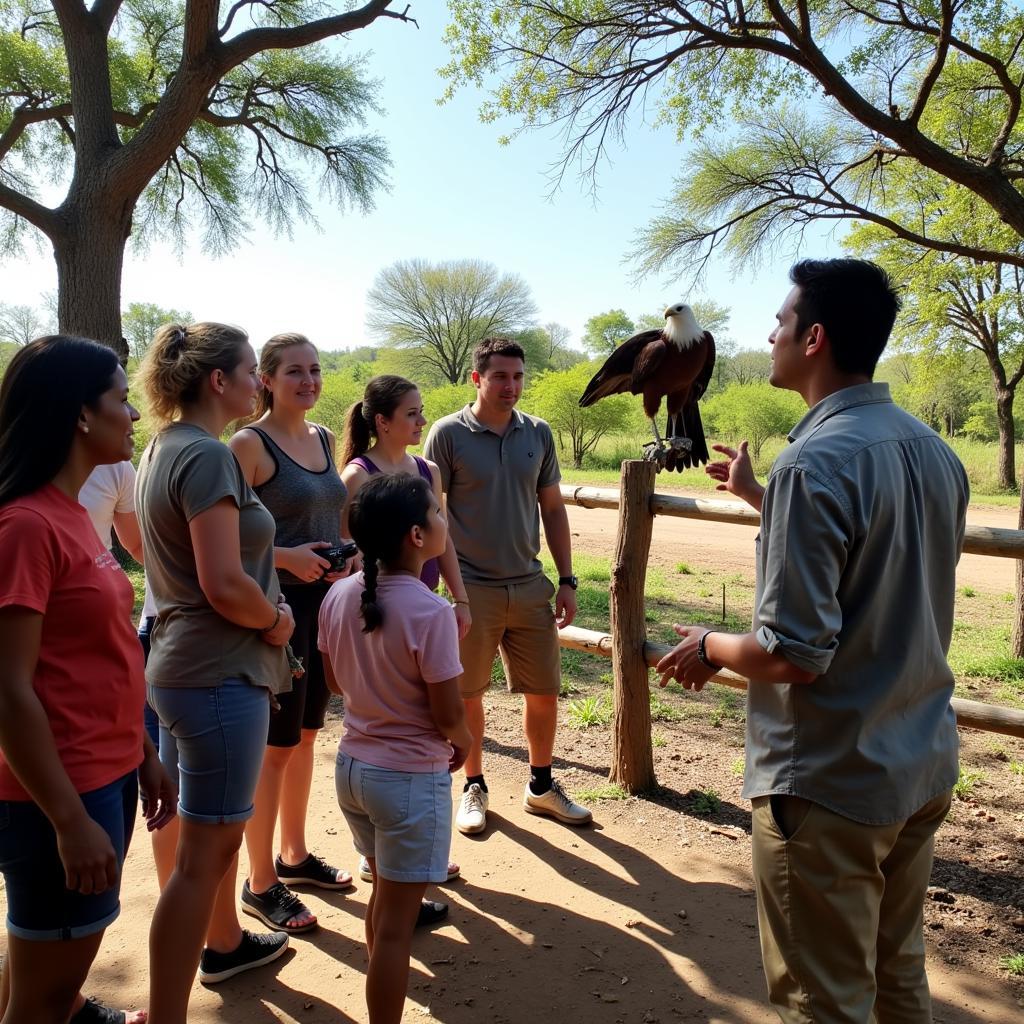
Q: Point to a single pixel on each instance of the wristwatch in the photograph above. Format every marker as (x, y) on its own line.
(568, 581)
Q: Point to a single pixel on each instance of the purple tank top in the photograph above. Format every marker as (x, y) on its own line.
(431, 574)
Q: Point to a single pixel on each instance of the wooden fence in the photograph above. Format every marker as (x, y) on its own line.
(632, 654)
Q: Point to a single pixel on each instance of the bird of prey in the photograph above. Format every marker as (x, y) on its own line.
(674, 363)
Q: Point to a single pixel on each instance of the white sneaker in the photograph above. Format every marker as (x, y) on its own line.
(555, 803)
(472, 815)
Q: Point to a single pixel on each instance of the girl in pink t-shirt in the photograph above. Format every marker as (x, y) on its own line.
(405, 729)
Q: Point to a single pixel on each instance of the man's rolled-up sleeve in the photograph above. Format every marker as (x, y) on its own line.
(806, 533)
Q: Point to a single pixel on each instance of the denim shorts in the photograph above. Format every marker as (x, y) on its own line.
(213, 738)
(401, 819)
(39, 906)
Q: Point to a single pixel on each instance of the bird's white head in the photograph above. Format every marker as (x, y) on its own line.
(681, 327)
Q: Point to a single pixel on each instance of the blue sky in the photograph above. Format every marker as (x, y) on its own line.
(456, 193)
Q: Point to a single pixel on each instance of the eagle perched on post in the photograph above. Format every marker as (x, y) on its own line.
(674, 363)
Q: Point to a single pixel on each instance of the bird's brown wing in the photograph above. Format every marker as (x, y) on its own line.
(703, 379)
(632, 362)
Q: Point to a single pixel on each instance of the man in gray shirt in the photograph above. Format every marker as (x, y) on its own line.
(851, 740)
(500, 475)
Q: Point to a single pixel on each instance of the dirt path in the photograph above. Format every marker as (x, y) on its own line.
(729, 548)
(628, 921)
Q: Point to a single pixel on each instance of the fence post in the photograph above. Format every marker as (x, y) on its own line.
(632, 757)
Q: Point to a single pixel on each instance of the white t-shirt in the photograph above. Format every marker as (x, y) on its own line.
(107, 490)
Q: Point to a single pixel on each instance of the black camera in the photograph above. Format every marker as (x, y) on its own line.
(339, 555)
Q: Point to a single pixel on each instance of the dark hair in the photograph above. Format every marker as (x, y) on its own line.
(46, 385)
(495, 347)
(178, 360)
(380, 398)
(270, 360)
(854, 301)
(386, 508)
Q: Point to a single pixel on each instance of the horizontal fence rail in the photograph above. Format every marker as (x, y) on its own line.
(971, 713)
(978, 540)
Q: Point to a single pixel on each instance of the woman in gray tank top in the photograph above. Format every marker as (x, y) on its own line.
(289, 462)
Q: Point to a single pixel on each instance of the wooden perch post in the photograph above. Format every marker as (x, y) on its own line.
(632, 757)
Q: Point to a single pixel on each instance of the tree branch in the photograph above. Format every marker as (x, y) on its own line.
(28, 209)
(253, 41)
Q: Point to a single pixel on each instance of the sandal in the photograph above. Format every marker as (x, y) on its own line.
(276, 907)
(93, 1012)
(430, 913)
(313, 870)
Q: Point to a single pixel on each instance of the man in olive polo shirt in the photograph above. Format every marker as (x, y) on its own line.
(500, 476)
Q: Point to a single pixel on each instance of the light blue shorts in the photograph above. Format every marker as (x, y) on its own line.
(401, 819)
(212, 740)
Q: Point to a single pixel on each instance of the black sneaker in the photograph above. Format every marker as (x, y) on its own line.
(252, 951)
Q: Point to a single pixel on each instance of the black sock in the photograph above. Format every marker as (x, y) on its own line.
(471, 779)
(540, 779)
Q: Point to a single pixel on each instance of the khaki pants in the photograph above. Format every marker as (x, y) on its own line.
(840, 908)
(518, 622)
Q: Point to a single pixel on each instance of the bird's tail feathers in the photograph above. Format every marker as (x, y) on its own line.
(687, 423)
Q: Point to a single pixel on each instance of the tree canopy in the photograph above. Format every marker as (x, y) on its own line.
(141, 320)
(555, 396)
(441, 311)
(603, 333)
(893, 69)
(160, 117)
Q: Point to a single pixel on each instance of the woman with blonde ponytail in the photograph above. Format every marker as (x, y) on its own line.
(217, 649)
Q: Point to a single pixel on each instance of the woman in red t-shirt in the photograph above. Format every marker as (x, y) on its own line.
(73, 754)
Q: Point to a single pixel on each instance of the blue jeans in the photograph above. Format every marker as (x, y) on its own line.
(39, 905)
(401, 819)
(213, 738)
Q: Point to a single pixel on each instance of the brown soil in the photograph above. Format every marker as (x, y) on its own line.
(648, 915)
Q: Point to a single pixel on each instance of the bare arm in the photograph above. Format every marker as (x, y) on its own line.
(448, 562)
(449, 714)
(231, 591)
(739, 652)
(556, 532)
(126, 526)
(329, 677)
(29, 748)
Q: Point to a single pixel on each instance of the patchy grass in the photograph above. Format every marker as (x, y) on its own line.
(611, 791)
(1013, 964)
(964, 786)
(588, 712)
(738, 767)
(661, 711)
(705, 801)
(659, 739)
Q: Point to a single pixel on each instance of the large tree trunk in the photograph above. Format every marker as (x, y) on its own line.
(1007, 439)
(90, 259)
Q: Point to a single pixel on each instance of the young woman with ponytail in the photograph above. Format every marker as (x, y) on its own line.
(217, 652)
(378, 431)
(289, 462)
(391, 648)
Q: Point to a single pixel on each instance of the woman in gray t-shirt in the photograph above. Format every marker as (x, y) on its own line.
(218, 645)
